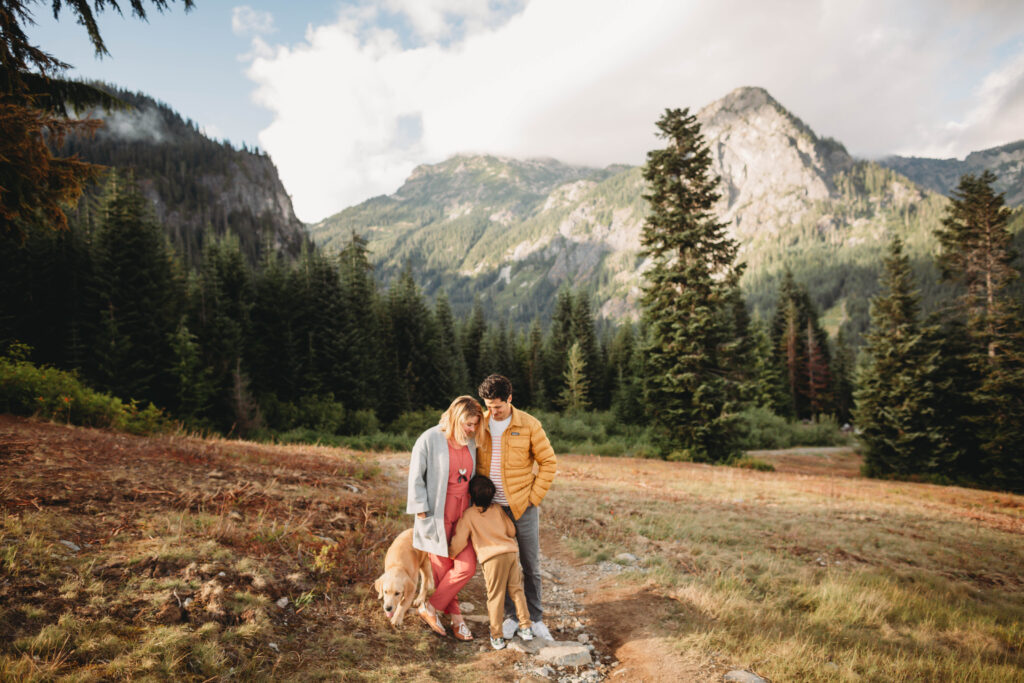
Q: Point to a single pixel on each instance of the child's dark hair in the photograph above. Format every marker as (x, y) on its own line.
(481, 491)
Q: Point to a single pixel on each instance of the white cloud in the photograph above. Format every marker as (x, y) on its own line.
(997, 116)
(357, 105)
(246, 21)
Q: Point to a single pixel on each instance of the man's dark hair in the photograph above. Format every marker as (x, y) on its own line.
(495, 386)
(481, 491)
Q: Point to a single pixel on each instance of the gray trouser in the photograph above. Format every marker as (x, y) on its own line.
(528, 535)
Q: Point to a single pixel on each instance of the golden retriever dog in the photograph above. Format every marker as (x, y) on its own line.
(396, 587)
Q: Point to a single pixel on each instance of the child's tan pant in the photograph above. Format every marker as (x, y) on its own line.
(502, 573)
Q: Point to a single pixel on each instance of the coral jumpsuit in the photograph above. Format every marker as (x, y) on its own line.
(451, 574)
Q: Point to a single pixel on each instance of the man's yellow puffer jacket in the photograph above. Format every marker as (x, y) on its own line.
(523, 443)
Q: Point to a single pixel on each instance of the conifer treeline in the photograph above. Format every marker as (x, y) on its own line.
(944, 397)
(306, 342)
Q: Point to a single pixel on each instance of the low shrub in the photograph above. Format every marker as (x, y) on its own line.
(58, 395)
(750, 463)
(761, 429)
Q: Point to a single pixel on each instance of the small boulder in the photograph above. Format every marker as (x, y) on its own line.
(626, 558)
(565, 654)
(737, 676)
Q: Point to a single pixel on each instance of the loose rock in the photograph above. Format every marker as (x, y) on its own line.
(738, 676)
(565, 654)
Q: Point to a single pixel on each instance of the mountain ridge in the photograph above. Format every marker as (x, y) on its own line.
(194, 183)
(793, 200)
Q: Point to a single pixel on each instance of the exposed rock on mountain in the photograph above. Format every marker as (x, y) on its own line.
(771, 164)
(194, 183)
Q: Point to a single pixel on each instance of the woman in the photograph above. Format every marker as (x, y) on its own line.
(443, 461)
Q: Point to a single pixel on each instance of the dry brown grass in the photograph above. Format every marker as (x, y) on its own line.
(186, 545)
(802, 576)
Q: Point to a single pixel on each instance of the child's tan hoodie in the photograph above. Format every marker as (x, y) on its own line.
(493, 533)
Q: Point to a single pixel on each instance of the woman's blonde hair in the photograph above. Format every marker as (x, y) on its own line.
(462, 408)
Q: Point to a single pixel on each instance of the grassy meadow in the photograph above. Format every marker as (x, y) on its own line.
(810, 572)
(173, 557)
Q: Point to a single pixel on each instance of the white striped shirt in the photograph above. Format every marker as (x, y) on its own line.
(497, 429)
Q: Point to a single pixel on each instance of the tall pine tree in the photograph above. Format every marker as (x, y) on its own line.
(978, 255)
(686, 294)
(898, 402)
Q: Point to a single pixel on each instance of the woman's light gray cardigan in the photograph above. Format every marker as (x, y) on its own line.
(428, 485)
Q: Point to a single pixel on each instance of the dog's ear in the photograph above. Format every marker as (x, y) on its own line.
(378, 586)
(410, 587)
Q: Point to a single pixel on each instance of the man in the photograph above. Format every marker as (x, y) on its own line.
(509, 442)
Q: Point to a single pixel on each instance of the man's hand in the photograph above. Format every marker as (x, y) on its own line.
(421, 515)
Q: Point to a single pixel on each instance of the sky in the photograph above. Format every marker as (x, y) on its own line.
(348, 97)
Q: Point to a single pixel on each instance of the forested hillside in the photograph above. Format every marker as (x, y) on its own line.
(503, 231)
(197, 186)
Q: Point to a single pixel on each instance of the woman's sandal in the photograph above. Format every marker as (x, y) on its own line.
(462, 632)
(432, 621)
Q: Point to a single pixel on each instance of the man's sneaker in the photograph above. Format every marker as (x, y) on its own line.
(508, 628)
(541, 631)
(498, 643)
(525, 633)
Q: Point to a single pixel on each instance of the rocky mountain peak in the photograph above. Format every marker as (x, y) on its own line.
(772, 165)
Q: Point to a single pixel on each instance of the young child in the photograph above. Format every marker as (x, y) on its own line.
(494, 539)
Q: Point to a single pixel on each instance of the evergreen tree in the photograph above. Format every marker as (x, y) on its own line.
(496, 354)
(192, 378)
(843, 377)
(977, 254)
(137, 298)
(583, 334)
(472, 338)
(416, 343)
(769, 386)
(556, 351)
(451, 362)
(222, 302)
(362, 389)
(534, 365)
(802, 353)
(574, 395)
(274, 349)
(898, 406)
(739, 350)
(686, 294)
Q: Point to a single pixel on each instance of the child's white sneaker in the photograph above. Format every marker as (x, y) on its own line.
(525, 633)
(498, 643)
(508, 628)
(541, 631)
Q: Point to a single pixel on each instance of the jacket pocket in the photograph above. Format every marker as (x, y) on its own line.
(427, 527)
(519, 451)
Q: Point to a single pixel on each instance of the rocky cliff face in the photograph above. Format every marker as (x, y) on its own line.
(195, 184)
(772, 165)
